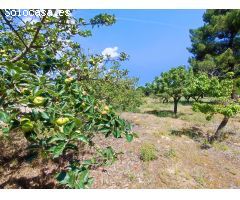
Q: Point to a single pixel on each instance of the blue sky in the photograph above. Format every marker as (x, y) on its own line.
(156, 40)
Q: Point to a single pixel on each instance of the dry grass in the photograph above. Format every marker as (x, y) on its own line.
(186, 114)
(180, 163)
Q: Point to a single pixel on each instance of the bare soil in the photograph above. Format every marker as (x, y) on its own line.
(189, 166)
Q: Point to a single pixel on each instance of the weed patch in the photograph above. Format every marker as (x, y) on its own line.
(171, 154)
(148, 152)
(220, 146)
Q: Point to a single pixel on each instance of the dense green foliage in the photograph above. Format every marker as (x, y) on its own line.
(215, 45)
(47, 91)
(172, 84)
(215, 49)
(117, 89)
(197, 86)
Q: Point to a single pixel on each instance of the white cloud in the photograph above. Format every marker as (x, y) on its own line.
(110, 52)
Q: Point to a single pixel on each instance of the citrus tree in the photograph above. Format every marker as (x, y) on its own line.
(43, 95)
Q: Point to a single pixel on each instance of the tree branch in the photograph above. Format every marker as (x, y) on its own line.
(29, 46)
(12, 28)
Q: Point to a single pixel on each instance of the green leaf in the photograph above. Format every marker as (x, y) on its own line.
(87, 163)
(4, 117)
(62, 177)
(58, 149)
(129, 137)
(117, 134)
(68, 128)
(83, 138)
(44, 115)
(83, 178)
(6, 131)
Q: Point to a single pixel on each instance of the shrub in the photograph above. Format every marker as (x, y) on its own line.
(148, 152)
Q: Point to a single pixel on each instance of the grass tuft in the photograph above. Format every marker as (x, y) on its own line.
(148, 152)
(171, 153)
(220, 146)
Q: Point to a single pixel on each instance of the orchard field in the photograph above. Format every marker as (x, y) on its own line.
(181, 161)
(71, 119)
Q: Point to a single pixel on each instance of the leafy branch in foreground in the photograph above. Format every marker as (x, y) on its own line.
(43, 93)
(222, 104)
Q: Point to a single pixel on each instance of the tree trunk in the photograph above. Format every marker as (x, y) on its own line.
(188, 99)
(175, 106)
(234, 92)
(219, 131)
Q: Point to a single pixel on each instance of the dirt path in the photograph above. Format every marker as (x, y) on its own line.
(188, 167)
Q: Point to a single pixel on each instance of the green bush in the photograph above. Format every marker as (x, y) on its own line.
(148, 152)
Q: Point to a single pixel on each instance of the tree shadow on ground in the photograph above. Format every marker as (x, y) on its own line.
(186, 103)
(164, 113)
(42, 181)
(196, 134)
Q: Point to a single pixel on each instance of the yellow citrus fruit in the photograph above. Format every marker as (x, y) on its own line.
(104, 112)
(23, 90)
(24, 119)
(26, 124)
(38, 101)
(106, 108)
(84, 93)
(27, 127)
(62, 120)
(68, 80)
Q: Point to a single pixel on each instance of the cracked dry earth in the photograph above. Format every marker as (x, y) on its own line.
(190, 167)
